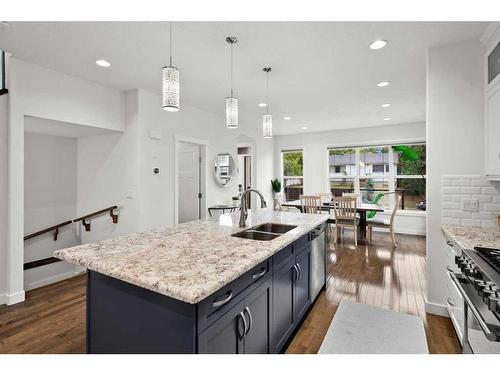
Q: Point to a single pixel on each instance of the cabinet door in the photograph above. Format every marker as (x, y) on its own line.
(258, 314)
(302, 298)
(493, 133)
(283, 294)
(225, 336)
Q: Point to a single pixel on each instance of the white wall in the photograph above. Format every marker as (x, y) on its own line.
(50, 197)
(314, 146)
(118, 169)
(39, 92)
(3, 197)
(455, 75)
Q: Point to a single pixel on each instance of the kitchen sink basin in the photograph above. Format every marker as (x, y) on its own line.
(255, 235)
(274, 228)
(265, 232)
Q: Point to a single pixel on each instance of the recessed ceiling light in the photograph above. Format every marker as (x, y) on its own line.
(383, 84)
(378, 44)
(385, 105)
(287, 118)
(103, 63)
(262, 105)
(304, 127)
(387, 118)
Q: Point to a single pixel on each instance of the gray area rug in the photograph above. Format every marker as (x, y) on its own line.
(362, 329)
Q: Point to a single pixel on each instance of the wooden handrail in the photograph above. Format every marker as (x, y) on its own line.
(54, 228)
(97, 213)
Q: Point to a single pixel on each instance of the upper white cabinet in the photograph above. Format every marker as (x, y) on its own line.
(492, 104)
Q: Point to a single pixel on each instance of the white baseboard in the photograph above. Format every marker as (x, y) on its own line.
(436, 309)
(51, 280)
(11, 299)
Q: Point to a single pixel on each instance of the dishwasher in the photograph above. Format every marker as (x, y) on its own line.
(318, 270)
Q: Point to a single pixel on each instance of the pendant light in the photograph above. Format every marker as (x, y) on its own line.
(267, 119)
(170, 84)
(231, 101)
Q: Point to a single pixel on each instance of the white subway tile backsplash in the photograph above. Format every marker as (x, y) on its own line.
(471, 222)
(451, 190)
(489, 190)
(455, 188)
(470, 190)
(494, 207)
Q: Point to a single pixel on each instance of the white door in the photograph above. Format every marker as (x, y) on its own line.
(189, 182)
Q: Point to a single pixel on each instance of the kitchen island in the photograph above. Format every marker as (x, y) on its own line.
(195, 288)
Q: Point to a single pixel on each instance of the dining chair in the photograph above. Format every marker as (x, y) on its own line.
(311, 204)
(325, 197)
(387, 224)
(344, 209)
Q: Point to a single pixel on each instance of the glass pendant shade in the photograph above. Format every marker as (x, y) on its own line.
(267, 125)
(170, 89)
(232, 113)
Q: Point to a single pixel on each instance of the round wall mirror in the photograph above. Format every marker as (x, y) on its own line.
(224, 169)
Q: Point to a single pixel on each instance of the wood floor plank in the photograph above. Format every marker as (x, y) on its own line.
(385, 277)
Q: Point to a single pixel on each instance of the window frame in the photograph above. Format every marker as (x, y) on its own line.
(283, 151)
(390, 171)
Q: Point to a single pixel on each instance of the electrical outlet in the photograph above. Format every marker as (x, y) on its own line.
(470, 204)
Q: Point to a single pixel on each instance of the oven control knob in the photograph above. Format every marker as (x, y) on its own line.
(487, 294)
(493, 303)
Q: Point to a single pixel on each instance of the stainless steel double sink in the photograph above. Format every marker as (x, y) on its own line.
(264, 232)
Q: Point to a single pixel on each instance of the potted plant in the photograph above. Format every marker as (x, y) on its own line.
(276, 185)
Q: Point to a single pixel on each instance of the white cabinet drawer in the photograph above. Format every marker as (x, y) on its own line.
(455, 307)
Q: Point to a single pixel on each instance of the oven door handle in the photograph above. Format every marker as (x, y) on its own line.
(471, 306)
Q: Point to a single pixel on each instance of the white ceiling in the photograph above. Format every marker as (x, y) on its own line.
(324, 75)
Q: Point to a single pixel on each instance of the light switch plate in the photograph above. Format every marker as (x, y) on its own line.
(470, 204)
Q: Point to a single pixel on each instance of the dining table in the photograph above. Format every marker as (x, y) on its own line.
(361, 208)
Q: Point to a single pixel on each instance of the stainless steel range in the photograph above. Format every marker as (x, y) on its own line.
(479, 285)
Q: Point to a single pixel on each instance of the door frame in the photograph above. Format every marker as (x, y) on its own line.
(253, 176)
(178, 139)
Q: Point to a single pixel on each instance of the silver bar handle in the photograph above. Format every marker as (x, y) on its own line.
(223, 301)
(450, 302)
(300, 271)
(259, 275)
(250, 320)
(471, 306)
(296, 272)
(245, 326)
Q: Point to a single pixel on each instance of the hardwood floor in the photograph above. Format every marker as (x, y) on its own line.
(377, 275)
(52, 319)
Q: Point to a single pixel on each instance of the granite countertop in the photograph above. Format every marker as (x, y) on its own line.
(192, 260)
(468, 237)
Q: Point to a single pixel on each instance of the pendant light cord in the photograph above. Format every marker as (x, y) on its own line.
(231, 70)
(171, 43)
(267, 92)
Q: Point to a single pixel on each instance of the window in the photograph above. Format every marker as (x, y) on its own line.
(293, 168)
(410, 161)
(380, 173)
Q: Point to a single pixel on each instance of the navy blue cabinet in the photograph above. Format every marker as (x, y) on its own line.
(302, 295)
(245, 328)
(256, 313)
(291, 296)
(283, 291)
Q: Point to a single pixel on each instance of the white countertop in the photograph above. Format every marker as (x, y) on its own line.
(192, 260)
(468, 237)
